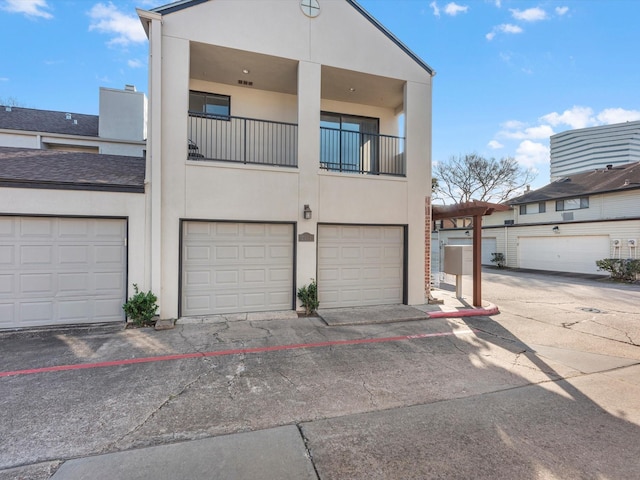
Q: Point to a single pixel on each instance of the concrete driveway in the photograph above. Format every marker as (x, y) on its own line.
(550, 388)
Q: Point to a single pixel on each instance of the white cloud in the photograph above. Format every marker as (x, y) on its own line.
(529, 15)
(513, 124)
(106, 18)
(494, 144)
(617, 115)
(530, 154)
(539, 132)
(561, 10)
(576, 117)
(436, 10)
(453, 9)
(31, 8)
(135, 63)
(503, 28)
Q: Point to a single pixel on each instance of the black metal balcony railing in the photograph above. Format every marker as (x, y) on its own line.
(243, 140)
(247, 140)
(366, 153)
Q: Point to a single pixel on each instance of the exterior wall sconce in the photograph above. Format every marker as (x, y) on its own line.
(307, 212)
(467, 233)
(556, 229)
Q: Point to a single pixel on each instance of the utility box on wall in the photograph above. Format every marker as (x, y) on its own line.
(458, 259)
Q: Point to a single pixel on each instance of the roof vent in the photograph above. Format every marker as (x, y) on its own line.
(75, 122)
(68, 116)
(610, 166)
(627, 182)
(7, 108)
(130, 88)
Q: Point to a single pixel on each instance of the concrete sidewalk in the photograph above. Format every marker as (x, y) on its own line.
(276, 453)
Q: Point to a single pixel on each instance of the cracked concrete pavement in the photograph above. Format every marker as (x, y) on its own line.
(547, 389)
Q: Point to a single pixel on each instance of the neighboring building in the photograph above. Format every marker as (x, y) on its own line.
(585, 149)
(72, 230)
(567, 225)
(119, 129)
(274, 156)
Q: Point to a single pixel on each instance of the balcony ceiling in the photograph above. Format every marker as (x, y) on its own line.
(225, 65)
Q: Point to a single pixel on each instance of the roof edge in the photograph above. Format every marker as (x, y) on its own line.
(392, 37)
(176, 6)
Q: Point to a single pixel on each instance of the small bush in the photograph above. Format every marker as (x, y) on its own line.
(498, 259)
(622, 269)
(308, 295)
(141, 307)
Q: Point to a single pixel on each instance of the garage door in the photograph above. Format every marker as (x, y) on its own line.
(58, 271)
(563, 253)
(236, 267)
(488, 247)
(360, 265)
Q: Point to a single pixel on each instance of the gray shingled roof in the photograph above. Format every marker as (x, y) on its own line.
(602, 180)
(29, 119)
(56, 169)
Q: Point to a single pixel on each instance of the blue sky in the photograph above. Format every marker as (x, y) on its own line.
(509, 73)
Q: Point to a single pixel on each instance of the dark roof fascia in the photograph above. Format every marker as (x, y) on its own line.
(392, 37)
(182, 4)
(515, 201)
(176, 6)
(94, 187)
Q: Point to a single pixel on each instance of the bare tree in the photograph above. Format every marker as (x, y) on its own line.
(472, 177)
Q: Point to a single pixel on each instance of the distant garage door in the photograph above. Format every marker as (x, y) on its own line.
(488, 247)
(360, 265)
(236, 267)
(58, 271)
(563, 253)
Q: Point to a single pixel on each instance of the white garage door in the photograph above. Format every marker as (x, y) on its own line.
(563, 253)
(236, 267)
(58, 271)
(360, 265)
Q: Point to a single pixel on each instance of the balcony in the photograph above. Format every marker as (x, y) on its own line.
(262, 142)
(364, 153)
(242, 140)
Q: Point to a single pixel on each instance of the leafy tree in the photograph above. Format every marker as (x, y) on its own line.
(472, 177)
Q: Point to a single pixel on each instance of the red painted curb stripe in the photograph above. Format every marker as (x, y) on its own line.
(275, 348)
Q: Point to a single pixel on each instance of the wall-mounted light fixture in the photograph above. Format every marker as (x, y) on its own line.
(556, 229)
(307, 212)
(467, 233)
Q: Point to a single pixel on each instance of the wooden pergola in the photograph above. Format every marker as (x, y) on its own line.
(475, 209)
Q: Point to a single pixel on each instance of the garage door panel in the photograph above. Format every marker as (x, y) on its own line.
(240, 267)
(62, 269)
(7, 315)
(563, 253)
(359, 265)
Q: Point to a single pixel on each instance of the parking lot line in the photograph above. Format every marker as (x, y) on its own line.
(238, 351)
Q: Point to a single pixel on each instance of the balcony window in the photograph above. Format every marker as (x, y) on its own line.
(210, 103)
(350, 143)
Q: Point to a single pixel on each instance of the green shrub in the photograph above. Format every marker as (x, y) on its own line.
(141, 307)
(308, 295)
(498, 259)
(622, 269)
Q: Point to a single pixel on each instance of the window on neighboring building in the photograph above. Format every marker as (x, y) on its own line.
(211, 103)
(530, 208)
(572, 204)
